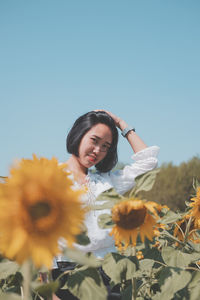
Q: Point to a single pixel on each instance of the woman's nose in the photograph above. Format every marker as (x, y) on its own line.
(97, 149)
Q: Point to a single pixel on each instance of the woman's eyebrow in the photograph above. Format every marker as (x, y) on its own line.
(97, 137)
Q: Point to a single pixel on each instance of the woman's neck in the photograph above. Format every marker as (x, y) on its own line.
(79, 171)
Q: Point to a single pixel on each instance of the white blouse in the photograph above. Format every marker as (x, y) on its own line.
(122, 181)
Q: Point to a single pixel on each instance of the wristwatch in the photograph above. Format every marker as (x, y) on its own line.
(126, 131)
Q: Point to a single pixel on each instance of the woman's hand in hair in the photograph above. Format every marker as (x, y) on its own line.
(134, 140)
(116, 119)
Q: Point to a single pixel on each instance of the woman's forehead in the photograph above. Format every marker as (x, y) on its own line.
(102, 131)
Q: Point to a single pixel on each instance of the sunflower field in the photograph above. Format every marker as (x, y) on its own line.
(157, 254)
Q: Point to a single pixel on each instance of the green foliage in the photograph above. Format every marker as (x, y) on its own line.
(8, 268)
(82, 239)
(169, 270)
(174, 184)
(194, 286)
(10, 277)
(171, 217)
(47, 289)
(105, 221)
(143, 183)
(119, 268)
(110, 197)
(81, 258)
(86, 284)
(170, 281)
(9, 296)
(177, 258)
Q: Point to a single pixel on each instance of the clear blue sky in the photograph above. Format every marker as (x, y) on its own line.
(60, 59)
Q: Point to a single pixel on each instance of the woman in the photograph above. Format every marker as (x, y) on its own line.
(92, 141)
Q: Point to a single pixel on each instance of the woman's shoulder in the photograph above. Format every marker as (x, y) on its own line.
(151, 151)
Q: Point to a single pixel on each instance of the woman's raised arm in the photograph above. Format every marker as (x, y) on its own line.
(134, 140)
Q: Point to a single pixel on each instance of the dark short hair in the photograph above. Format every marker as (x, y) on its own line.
(82, 125)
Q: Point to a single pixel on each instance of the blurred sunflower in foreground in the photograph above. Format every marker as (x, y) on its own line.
(133, 217)
(37, 206)
(195, 211)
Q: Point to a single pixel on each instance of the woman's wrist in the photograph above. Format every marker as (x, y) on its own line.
(122, 124)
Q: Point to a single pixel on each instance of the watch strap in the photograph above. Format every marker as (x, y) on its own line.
(126, 130)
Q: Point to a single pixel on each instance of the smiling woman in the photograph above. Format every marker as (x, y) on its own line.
(93, 147)
(92, 141)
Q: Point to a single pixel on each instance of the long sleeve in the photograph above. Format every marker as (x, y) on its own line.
(144, 161)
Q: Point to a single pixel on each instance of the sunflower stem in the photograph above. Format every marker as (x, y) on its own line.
(22, 292)
(187, 230)
(134, 289)
(179, 227)
(26, 295)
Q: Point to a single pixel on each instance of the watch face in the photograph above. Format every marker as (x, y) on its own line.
(126, 130)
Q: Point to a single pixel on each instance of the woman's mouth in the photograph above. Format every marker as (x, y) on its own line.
(91, 158)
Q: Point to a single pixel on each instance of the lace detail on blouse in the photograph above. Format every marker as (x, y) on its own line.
(89, 197)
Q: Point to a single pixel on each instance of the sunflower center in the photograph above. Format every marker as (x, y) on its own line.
(133, 219)
(39, 210)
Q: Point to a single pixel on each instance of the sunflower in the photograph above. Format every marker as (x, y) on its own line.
(180, 230)
(133, 217)
(195, 211)
(37, 206)
(158, 206)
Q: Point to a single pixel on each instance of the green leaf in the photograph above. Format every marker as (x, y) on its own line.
(82, 239)
(145, 268)
(86, 284)
(171, 280)
(14, 281)
(171, 217)
(109, 195)
(81, 258)
(9, 296)
(8, 268)
(105, 221)
(131, 193)
(127, 293)
(194, 286)
(176, 258)
(182, 294)
(173, 238)
(106, 205)
(196, 247)
(107, 199)
(152, 254)
(119, 267)
(47, 289)
(144, 182)
(146, 264)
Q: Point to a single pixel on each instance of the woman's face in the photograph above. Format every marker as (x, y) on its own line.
(94, 145)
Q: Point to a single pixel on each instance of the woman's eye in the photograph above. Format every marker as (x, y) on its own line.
(105, 147)
(93, 140)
